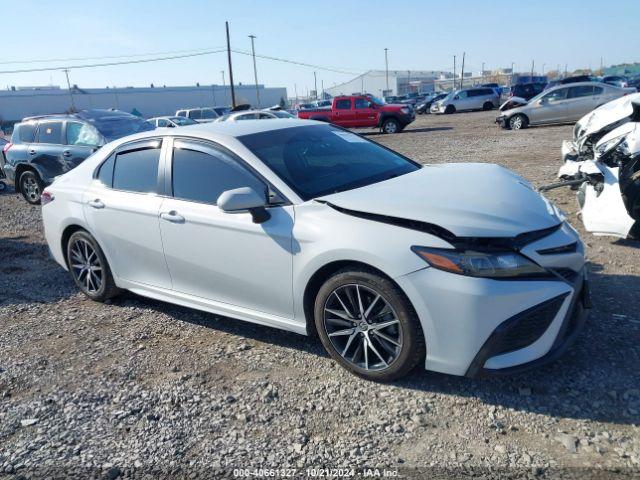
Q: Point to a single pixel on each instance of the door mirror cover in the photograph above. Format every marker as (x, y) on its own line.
(244, 199)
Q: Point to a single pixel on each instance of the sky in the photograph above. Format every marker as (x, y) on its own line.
(346, 35)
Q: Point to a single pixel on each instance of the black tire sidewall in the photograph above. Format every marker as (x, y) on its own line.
(25, 175)
(103, 293)
(413, 347)
(450, 109)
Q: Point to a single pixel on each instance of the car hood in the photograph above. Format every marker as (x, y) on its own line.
(468, 200)
(513, 102)
(607, 114)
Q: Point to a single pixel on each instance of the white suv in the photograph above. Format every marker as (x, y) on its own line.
(468, 99)
(200, 115)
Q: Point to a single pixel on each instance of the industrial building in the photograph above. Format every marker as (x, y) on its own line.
(400, 82)
(17, 103)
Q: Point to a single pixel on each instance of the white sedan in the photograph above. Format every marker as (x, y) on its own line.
(300, 225)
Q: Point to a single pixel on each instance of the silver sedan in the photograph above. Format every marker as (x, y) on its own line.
(561, 104)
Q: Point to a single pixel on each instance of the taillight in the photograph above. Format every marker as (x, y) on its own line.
(46, 197)
(7, 146)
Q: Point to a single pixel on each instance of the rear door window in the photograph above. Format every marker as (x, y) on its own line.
(49, 132)
(208, 114)
(137, 170)
(581, 91)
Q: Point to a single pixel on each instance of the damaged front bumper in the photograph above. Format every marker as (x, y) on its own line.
(570, 151)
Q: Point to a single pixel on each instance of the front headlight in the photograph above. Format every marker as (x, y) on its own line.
(608, 146)
(480, 264)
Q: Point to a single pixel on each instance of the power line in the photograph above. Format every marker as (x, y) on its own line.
(106, 57)
(110, 64)
(295, 62)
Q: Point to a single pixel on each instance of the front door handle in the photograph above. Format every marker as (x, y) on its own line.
(172, 217)
(66, 153)
(96, 203)
(32, 152)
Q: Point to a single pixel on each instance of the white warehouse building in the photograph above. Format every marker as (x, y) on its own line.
(400, 82)
(15, 104)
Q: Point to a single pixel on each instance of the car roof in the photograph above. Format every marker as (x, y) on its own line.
(578, 84)
(91, 114)
(237, 129)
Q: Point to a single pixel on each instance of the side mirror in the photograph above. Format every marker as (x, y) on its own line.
(457, 97)
(245, 199)
(171, 125)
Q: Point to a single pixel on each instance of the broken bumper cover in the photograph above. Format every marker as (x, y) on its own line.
(502, 121)
(530, 322)
(570, 152)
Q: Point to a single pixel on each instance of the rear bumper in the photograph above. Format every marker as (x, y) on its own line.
(10, 172)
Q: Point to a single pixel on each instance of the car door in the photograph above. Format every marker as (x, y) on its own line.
(122, 206)
(462, 101)
(46, 151)
(366, 115)
(224, 257)
(81, 140)
(550, 108)
(580, 101)
(344, 114)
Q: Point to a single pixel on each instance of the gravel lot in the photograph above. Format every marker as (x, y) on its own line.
(141, 387)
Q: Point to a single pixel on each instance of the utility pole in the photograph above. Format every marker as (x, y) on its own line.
(315, 84)
(543, 65)
(386, 68)
(255, 71)
(482, 73)
(565, 70)
(512, 72)
(601, 66)
(462, 72)
(322, 87)
(73, 104)
(233, 93)
(295, 89)
(453, 87)
(532, 67)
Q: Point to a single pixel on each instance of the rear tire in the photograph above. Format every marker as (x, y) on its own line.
(518, 122)
(487, 106)
(450, 109)
(358, 341)
(89, 268)
(391, 125)
(3, 186)
(31, 187)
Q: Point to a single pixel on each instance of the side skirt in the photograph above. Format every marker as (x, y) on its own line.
(211, 306)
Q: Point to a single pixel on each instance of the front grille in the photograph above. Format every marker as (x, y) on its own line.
(527, 327)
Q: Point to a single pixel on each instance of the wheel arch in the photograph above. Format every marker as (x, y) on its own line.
(66, 235)
(322, 274)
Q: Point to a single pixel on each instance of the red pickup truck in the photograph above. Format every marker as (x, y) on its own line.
(353, 111)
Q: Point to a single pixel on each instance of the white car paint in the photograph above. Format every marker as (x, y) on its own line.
(225, 264)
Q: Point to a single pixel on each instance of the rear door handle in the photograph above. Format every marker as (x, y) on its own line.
(172, 217)
(96, 203)
(66, 153)
(32, 152)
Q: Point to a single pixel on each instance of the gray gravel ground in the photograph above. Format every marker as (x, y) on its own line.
(139, 387)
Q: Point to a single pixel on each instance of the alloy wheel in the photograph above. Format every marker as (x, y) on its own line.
(516, 123)
(390, 127)
(363, 327)
(31, 188)
(86, 266)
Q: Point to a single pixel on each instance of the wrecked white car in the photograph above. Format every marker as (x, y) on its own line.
(605, 169)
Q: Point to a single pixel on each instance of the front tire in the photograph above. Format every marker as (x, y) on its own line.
(518, 122)
(368, 325)
(450, 109)
(89, 268)
(31, 187)
(391, 125)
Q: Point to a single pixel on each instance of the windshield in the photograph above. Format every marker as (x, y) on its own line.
(120, 126)
(322, 159)
(183, 121)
